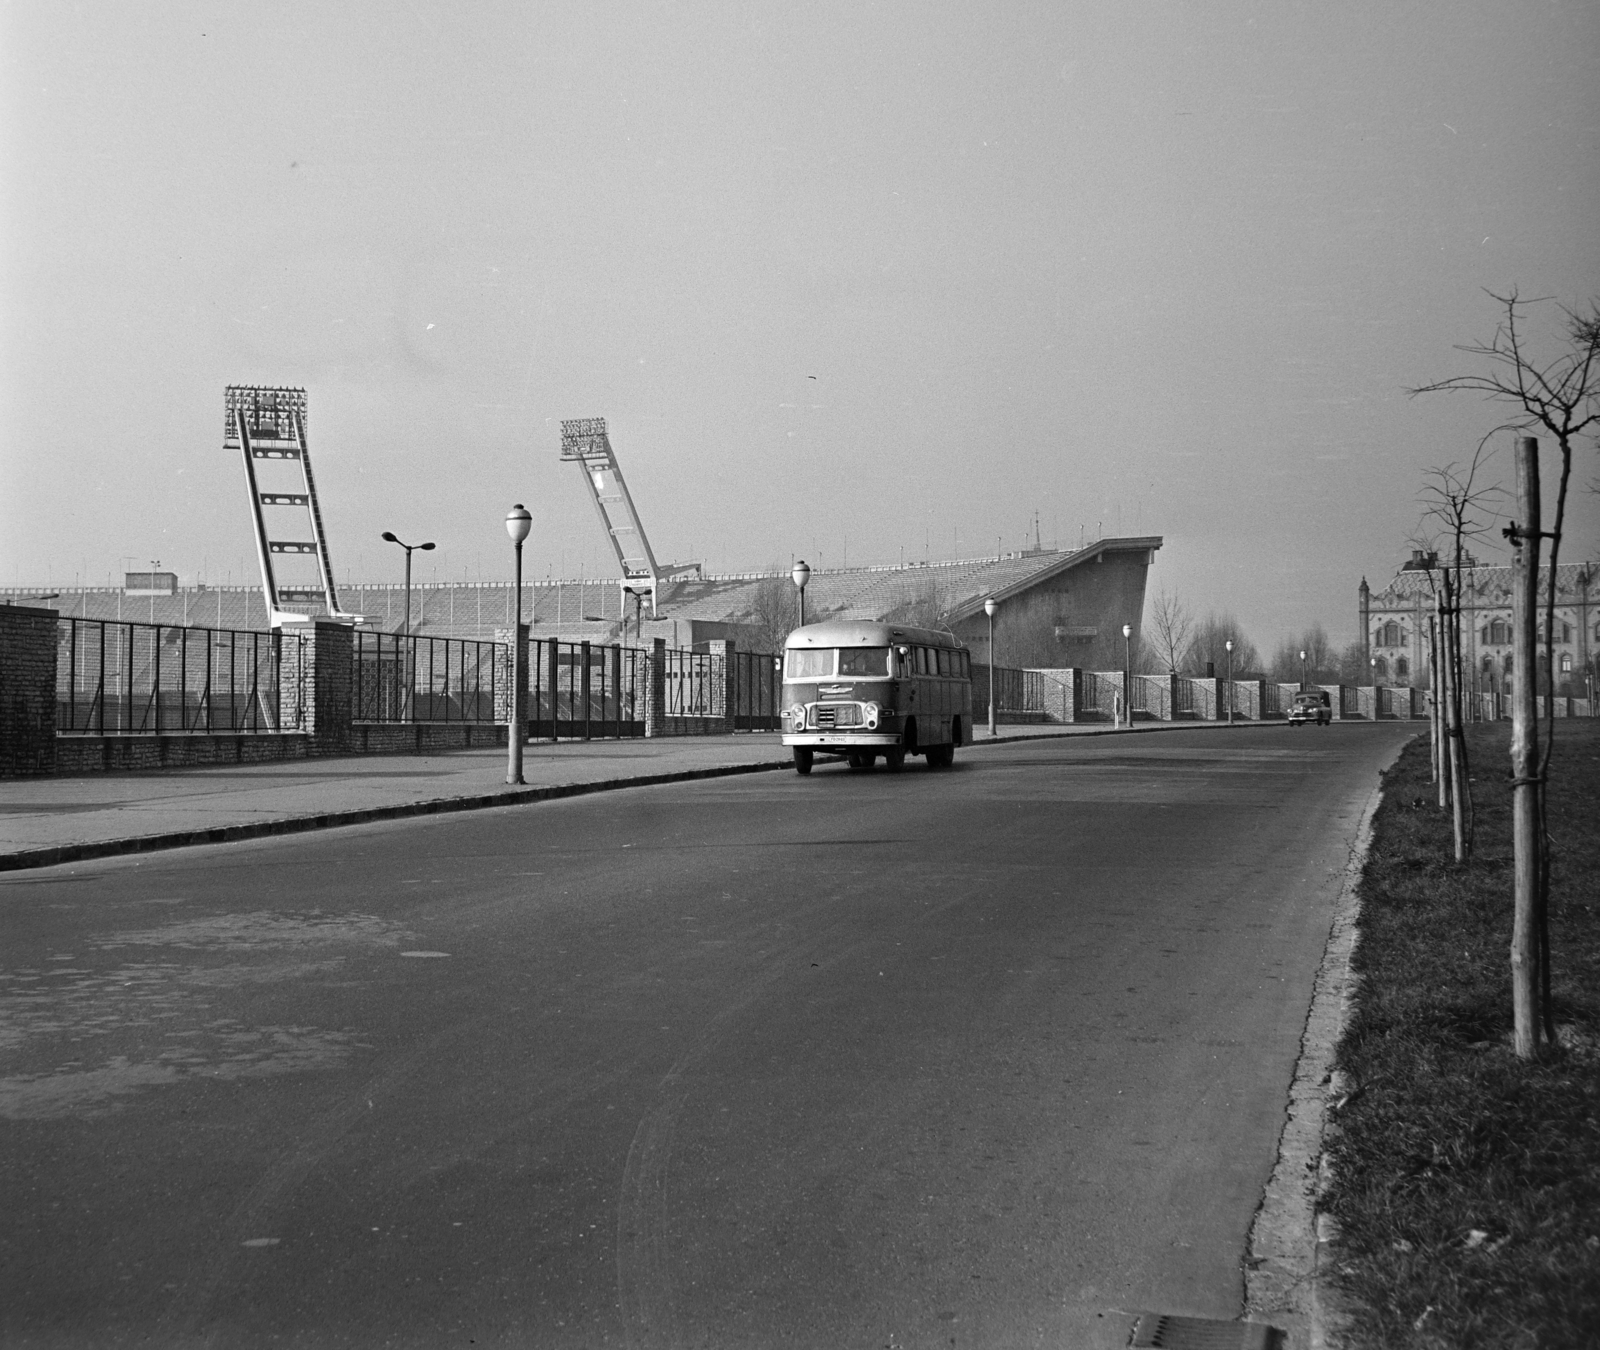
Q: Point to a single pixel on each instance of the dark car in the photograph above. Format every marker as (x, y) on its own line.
(1312, 707)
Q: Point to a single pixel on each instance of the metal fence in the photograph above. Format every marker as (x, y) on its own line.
(757, 688)
(1019, 695)
(582, 689)
(398, 677)
(694, 684)
(116, 678)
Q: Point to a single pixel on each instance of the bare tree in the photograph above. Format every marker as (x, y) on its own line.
(926, 606)
(1560, 396)
(1207, 646)
(1352, 664)
(1171, 628)
(1458, 504)
(1321, 664)
(773, 611)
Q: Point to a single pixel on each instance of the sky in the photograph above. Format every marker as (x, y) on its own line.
(850, 282)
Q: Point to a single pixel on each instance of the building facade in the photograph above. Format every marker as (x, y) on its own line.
(1394, 624)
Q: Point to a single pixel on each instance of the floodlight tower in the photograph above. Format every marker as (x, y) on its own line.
(584, 439)
(270, 424)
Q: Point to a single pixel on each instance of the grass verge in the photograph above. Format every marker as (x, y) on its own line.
(1466, 1182)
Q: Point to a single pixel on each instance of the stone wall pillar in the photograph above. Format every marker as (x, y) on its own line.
(655, 708)
(725, 653)
(505, 647)
(330, 709)
(28, 648)
(293, 650)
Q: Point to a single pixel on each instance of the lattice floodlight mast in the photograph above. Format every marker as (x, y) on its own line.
(270, 424)
(584, 439)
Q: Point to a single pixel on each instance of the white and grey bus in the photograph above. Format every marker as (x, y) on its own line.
(867, 689)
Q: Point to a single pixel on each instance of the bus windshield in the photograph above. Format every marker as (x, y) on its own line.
(815, 663)
(863, 661)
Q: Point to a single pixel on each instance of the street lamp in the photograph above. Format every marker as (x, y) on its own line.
(1228, 646)
(989, 608)
(1127, 672)
(518, 523)
(801, 575)
(1303, 685)
(409, 548)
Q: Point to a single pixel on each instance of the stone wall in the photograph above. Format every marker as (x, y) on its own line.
(27, 691)
(110, 754)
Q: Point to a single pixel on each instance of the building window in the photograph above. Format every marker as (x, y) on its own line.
(1402, 669)
(1566, 663)
(1499, 633)
(1382, 667)
(1388, 635)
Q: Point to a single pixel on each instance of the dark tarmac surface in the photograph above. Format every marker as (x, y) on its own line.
(985, 1057)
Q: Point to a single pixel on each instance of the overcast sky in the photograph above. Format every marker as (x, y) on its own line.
(846, 280)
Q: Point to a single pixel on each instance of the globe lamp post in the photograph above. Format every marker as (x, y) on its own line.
(518, 523)
(1228, 646)
(989, 608)
(1127, 672)
(1303, 685)
(801, 575)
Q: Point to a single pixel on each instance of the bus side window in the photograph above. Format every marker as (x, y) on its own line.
(944, 661)
(922, 661)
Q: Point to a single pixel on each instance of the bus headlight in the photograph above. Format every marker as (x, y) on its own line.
(797, 715)
(869, 715)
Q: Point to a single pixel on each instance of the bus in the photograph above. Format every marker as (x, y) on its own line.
(862, 689)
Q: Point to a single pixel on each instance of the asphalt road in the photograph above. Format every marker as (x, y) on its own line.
(974, 1058)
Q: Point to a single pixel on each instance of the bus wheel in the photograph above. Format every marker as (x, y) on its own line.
(802, 759)
(861, 759)
(941, 756)
(893, 759)
(955, 733)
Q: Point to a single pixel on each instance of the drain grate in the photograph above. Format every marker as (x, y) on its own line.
(1162, 1331)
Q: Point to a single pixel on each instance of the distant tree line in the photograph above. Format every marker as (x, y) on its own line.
(1176, 640)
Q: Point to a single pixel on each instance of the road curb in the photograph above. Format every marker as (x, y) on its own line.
(228, 834)
(1289, 1249)
(1121, 731)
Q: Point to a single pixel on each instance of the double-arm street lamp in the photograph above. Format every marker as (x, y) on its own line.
(801, 575)
(518, 523)
(1303, 685)
(390, 537)
(1228, 646)
(989, 608)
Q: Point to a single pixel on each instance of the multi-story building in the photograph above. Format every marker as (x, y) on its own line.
(1394, 623)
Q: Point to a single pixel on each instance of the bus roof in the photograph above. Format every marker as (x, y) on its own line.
(866, 633)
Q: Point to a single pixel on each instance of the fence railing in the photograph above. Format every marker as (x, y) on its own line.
(757, 688)
(1019, 695)
(586, 690)
(695, 684)
(118, 678)
(398, 677)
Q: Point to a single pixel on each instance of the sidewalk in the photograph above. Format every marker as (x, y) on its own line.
(45, 821)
